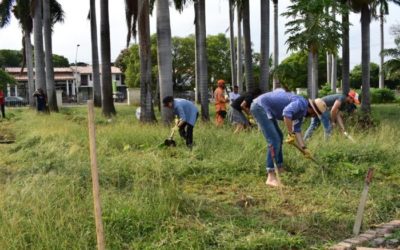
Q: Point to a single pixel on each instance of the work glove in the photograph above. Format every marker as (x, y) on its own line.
(307, 153)
(291, 138)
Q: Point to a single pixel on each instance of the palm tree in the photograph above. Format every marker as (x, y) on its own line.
(164, 53)
(47, 26)
(392, 66)
(333, 79)
(95, 55)
(345, 47)
(248, 59)
(308, 31)
(21, 12)
(380, 8)
(201, 54)
(138, 11)
(40, 74)
(364, 7)
(239, 50)
(264, 51)
(276, 41)
(232, 41)
(108, 108)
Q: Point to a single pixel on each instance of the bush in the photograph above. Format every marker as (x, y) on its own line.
(325, 90)
(382, 95)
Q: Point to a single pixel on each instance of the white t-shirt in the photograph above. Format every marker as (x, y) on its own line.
(233, 96)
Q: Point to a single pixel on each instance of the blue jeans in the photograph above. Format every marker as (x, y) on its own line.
(272, 134)
(315, 122)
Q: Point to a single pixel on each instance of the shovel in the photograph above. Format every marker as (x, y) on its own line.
(170, 142)
(302, 151)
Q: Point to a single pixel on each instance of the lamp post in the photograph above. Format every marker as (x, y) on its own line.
(75, 87)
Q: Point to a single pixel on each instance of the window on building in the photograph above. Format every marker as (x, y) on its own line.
(117, 77)
(90, 77)
(84, 80)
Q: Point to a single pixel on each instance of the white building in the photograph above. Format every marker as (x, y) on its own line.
(75, 82)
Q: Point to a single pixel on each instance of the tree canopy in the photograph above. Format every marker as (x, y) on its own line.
(14, 58)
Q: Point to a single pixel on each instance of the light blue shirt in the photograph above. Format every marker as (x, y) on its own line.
(186, 110)
(279, 104)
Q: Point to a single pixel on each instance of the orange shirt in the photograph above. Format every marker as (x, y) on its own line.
(220, 101)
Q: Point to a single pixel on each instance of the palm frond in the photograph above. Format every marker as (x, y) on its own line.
(5, 12)
(131, 15)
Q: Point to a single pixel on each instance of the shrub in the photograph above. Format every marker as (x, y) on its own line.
(382, 95)
(325, 90)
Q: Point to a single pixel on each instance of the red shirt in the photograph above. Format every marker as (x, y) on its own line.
(1, 97)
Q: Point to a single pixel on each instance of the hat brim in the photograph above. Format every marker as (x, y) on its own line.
(314, 108)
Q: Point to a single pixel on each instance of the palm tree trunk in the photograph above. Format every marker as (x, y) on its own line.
(365, 58)
(202, 58)
(276, 42)
(40, 74)
(50, 83)
(334, 60)
(309, 73)
(196, 55)
(345, 53)
(334, 73)
(164, 53)
(108, 108)
(146, 105)
(239, 51)
(232, 43)
(248, 59)
(328, 68)
(381, 72)
(29, 67)
(264, 61)
(314, 89)
(95, 55)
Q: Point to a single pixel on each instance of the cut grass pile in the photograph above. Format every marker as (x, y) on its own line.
(213, 197)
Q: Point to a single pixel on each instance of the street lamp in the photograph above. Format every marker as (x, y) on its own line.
(75, 88)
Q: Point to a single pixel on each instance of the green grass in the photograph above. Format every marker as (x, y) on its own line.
(213, 197)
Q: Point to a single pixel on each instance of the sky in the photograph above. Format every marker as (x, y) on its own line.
(76, 29)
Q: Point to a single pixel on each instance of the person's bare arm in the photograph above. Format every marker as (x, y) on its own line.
(340, 122)
(244, 107)
(335, 110)
(289, 124)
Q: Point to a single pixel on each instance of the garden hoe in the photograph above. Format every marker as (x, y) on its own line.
(302, 151)
(170, 142)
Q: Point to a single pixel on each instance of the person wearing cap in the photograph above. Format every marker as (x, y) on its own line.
(336, 104)
(187, 113)
(220, 103)
(240, 104)
(270, 107)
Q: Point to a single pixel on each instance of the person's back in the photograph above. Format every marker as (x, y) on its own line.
(277, 101)
(331, 99)
(186, 110)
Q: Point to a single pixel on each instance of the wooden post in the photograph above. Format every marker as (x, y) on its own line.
(95, 178)
(363, 201)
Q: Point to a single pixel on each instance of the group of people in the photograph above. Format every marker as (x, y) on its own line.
(267, 109)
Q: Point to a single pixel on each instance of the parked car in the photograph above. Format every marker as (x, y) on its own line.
(118, 96)
(15, 101)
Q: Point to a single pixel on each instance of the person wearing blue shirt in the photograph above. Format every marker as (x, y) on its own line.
(187, 113)
(270, 107)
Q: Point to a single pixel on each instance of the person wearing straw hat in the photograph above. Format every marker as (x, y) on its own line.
(270, 107)
(336, 104)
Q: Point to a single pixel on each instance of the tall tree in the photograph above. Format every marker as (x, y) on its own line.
(276, 42)
(379, 9)
(264, 63)
(334, 53)
(239, 50)
(392, 66)
(95, 55)
(200, 21)
(40, 75)
(345, 47)
(164, 49)
(248, 59)
(108, 108)
(308, 31)
(47, 28)
(232, 41)
(21, 12)
(364, 7)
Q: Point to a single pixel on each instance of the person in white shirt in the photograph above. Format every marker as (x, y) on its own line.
(234, 95)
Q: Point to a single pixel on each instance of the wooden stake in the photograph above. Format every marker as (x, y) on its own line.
(363, 201)
(95, 178)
